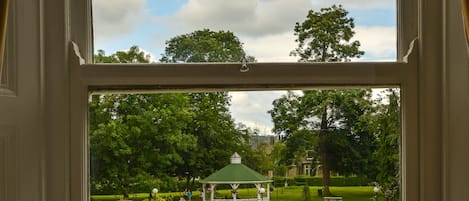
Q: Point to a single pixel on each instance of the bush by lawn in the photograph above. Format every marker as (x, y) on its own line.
(317, 181)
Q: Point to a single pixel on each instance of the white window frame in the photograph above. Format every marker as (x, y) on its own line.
(86, 77)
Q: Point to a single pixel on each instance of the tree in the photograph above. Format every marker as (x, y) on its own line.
(213, 125)
(204, 46)
(387, 155)
(331, 123)
(216, 133)
(135, 138)
(133, 55)
(324, 36)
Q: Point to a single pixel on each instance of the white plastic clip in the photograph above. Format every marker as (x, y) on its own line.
(244, 65)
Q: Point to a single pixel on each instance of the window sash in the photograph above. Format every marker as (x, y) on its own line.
(87, 77)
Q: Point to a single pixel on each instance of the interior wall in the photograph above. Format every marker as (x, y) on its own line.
(22, 154)
(456, 106)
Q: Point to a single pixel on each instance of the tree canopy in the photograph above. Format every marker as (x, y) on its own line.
(158, 135)
(325, 36)
(330, 122)
(204, 46)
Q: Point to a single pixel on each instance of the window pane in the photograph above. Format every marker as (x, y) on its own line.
(264, 30)
(174, 142)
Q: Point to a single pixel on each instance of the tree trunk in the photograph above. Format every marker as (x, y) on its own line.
(324, 156)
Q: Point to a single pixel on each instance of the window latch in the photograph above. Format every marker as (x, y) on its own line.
(244, 65)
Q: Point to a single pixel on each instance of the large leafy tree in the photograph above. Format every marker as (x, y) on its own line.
(325, 36)
(330, 122)
(213, 125)
(204, 46)
(136, 137)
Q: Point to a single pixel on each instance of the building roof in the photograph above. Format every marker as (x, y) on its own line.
(235, 173)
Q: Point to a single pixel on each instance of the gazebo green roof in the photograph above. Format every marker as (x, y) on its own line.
(236, 173)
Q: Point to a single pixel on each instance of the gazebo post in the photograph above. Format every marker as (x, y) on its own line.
(212, 192)
(234, 187)
(258, 186)
(268, 191)
(203, 192)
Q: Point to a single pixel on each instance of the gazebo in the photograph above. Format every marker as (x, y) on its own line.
(236, 174)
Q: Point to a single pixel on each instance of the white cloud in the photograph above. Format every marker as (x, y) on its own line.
(255, 17)
(355, 4)
(377, 42)
(250, 108)
(117, 18)
(247, 17)
(271, 48)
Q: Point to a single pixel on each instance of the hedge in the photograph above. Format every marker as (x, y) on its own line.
(317, 181)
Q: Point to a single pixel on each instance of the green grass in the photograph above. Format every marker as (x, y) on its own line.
(279, 194)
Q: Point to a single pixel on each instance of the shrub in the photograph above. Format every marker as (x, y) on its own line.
(317, 181)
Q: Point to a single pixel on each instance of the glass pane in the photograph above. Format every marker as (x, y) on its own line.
(261, 30)
(315, 143)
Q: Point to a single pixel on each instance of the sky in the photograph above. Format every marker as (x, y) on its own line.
(264, 26)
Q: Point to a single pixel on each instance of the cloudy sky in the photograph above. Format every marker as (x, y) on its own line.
(264, 26)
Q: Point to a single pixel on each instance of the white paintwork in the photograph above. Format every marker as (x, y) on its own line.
(236, 158)
(44, 112)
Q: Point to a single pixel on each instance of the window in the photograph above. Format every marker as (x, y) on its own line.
(265, 28)
(138, 142)
(88, 77)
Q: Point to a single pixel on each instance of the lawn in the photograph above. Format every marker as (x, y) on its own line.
(279, 194)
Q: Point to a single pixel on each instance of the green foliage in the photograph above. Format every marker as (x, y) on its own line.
(213, 125)
(387, 156)
(332, 123)
(215, 130)
(306, 193)
(133, 55)
(135, 138)
(317, 181)
(325, 35)
(204, 46)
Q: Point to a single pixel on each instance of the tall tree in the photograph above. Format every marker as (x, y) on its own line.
(325, 36)
(213, 125)
(331, 123)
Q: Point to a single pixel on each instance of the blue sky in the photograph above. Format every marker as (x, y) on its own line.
(264, 26)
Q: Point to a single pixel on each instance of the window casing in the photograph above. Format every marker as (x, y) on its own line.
(87, 77)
